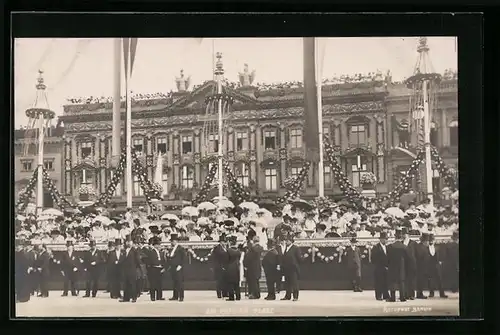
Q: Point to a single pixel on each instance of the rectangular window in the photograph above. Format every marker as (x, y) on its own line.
(187, 144)
(327, 176)
(161, 145)
(137, 144)
(357, 172)
(326, 131)
(270, 140)
(271, 178)
(48, 164)
(357, 136)
(294, 172)
(138, 191)
(86, 149)
(242, 174)
(213, 140)
(187, 177)
(27, 166)
(296, 138)
(241, 141)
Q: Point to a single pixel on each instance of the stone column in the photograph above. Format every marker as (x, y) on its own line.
(344, 139)
(170, 159)
(373, 132)
(444, 130)
(336, 132)
(148, 143)
(67, 166)
(74, 160)
(176, 159)
(103, 160)
(197, 154)
(253, 154)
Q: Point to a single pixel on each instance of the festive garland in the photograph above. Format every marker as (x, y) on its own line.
(149, 190)
(59, 199)
(26, 193)
(239, 193)
(295, 188)
(157, 187)
(322, 203)
(207, 186)
(198, 258)
(368, 178)
(365, 254)
(446, 173)
(86, 190)
(104, 198)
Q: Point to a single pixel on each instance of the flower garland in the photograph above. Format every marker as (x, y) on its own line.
(240, 194)
(157, 187)
(322, 203)
(27, 192)
(368, 178)
(104, 198)
(448, 174)
(61, 201)
(198, 258)
(339, 251)
(86, 190)
(207, 185)
(149, 191)
(296, 186)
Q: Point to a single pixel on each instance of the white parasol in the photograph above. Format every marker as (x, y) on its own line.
(170, 216)
(224, 203)
(206, 206)
(395, 211)
(52, 212)
(190, 211)
(252, 206)
(103, 219)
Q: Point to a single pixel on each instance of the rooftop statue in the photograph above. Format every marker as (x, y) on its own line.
(182, 82)
(246, 77)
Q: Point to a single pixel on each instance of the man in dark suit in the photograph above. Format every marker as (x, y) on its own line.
(381, 267)
(271, 266)
(32, 279)
(352, 260)
(130, 265)
(143, 251)
(253, 265)
(69, 268)
(396, 258)
(422, 260)
(220, 259)
(114, 263)
(22, 266)
(92, 261)
(410, 266)
(232, 273)
(283, 227)
(42, 270)
(453, 264)
(436, 257)
(291, 269)
(176, 260)
(156, 267)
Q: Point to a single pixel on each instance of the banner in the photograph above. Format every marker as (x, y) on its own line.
(311, 129)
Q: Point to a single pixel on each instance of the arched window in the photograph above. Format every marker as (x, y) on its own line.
(242, 173)
(187, 176)
(453, 133)
(358, 128)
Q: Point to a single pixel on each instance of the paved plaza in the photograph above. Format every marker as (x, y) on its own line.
(204, 303)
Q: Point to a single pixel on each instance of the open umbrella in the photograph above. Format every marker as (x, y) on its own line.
(206, 206)
(169, 216)
(301, 204)
(395, 211)
(52, 212)
(217, 199)
(103, 219)
(20, 217)
(224, 204)
(190, 211)
(249, 205)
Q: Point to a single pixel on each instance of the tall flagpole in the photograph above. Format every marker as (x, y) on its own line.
(219, 72)
(427, 140)
(317, 68)
(116, 135)
(128, 132)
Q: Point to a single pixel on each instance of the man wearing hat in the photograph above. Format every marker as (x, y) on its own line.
(156, 267)
(41, 268)
(22, 270)
(232, 273)
(381, 266)
(436, 257)
(69, 265)
(272, 271)
(422, 260)
(92, 261)
(130, 266)
(410, 264)
(291, 260)
(114, 262)
(143, 251)
(333, 232)
(253, 265)
(220, 261)
(452, 260)
(396, 256)
(176, 259)
(352, 260)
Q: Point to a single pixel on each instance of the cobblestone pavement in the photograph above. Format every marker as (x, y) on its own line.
(205, 304)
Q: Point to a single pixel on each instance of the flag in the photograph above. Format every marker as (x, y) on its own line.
(129, 50)
(311, 130)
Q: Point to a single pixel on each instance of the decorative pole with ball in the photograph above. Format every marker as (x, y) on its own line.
(42, 113)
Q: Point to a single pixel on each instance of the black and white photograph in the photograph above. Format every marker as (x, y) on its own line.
(236, 177)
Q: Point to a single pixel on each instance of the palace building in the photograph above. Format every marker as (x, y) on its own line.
(365, 117)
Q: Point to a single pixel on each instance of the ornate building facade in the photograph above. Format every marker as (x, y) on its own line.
(263, 136)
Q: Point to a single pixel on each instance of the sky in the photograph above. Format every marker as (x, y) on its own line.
(84, 67)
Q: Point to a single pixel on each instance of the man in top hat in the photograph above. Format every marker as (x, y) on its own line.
(42, 270)
(272, 270)
(92, 261)
(69, 265)
(182, 235)
(422, 260)
(220, 261)
(291, 260)
(436, 257)
(143, 250)
(130, 266)
(253, 265)
(452, 261)
(410, 264)
(232, 273)
(176, 260)
(156, 264)
(396, 257)
(22, 265)
(332, 233)
(352, 260)
(381, 266)
(114, 268)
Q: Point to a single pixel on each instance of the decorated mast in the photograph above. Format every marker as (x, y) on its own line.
(424, 84)
(42, 114)
(219, 73)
